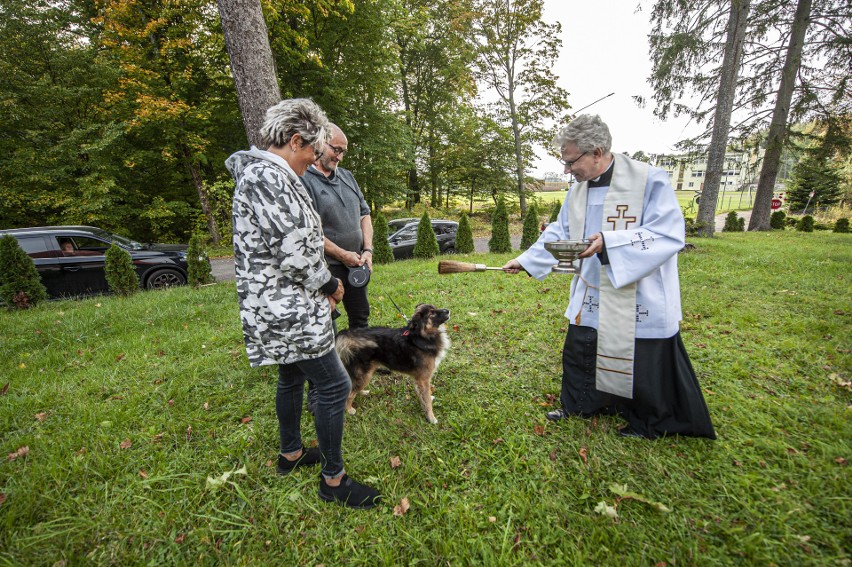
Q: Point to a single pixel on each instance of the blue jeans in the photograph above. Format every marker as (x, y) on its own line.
(333, 387)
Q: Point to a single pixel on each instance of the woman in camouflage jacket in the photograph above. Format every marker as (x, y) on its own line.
(287, 294)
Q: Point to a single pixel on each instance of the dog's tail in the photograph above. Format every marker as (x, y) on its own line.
(348, 346)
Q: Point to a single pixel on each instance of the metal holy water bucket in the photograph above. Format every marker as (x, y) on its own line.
(566, 251)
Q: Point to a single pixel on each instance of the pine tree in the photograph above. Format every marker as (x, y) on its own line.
(500, 242)
(20, 284)
(382, 253)
(814, 173)
(554, 211)
(199, 271)
(531, 227)
(120, 274)
(464, 236)
(427, 242)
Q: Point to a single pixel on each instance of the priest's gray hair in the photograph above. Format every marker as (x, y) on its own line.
(295, 116)
(588, 131)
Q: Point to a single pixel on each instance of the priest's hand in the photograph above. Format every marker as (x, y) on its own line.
(595, 247)
(512, 267)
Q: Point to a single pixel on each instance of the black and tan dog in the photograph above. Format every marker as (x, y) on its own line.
(416, 349)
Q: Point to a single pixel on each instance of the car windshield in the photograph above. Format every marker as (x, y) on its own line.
(120, 240)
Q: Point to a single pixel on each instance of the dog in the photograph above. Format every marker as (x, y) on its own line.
(416, 349)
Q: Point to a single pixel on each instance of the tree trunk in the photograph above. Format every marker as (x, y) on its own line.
(247, 42)
(778, 127)
(192, 167)
(519, 159)
(722, 118)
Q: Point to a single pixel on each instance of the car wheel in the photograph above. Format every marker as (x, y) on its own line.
(450, 251)
(165, 278)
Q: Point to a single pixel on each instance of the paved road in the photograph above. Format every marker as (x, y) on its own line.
(223, 269)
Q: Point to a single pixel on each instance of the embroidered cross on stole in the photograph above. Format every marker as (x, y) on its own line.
(617, 315)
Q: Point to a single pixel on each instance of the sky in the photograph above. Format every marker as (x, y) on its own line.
(605, 50)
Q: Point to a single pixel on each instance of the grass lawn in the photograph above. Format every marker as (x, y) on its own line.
(121, 416)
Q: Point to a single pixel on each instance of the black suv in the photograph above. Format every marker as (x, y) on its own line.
(70, 259)
(403, 240)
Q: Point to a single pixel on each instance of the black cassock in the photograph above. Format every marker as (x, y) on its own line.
(667, 399)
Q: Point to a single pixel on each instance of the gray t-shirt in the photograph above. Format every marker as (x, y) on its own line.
(340, 205)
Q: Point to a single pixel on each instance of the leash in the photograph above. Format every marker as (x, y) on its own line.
(381, 290)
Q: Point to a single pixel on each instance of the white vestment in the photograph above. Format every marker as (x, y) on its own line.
(641, 251)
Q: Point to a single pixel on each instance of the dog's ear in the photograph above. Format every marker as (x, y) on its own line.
(418, 319)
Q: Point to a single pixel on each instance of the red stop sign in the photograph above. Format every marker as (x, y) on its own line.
(776, 204)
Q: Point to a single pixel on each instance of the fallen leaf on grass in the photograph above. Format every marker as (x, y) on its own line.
(517, 541)
(126, 444)
(41, 416)
(2, 498)
(171, 402)
(584, 454)
(180, 538)
(157, 438)
(4, 389)
(492, 519)
(539, 430)
(660, 564)
(120, 357)
(605, 510)
(841, 461)
(81, 452)
(21, 452)
(553, 455)
(188, 432)
(497, 441)
(246, 419)
(401, 508)
(217, 483)
(269, 463)
(143, 474)
(206, 406)
(621, 491)
(395, 462)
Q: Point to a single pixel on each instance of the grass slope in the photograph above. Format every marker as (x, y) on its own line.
(127, 406)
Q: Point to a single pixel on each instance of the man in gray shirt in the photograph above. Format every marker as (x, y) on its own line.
(346, 223)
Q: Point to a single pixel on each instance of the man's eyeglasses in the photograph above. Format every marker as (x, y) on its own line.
(338, 151)
(571, 162)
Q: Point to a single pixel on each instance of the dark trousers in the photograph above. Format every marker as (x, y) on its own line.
(355, 299)
(332, 386)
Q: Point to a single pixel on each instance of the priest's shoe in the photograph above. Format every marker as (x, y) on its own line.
(628, 431)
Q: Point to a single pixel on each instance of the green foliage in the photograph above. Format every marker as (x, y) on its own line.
(805, 224)
(500, 242)
(732, 223)
(20, 284)
(777, 220)
(694, 227)
(120, 275)
(382, 253)
(464, 236)
(199, 271)
(554, 211)
(531, 227)
(768, 361)
(427, 242)
(841, 225)
(814, 173)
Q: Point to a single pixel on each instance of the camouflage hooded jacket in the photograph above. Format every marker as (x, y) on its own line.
(278, 253)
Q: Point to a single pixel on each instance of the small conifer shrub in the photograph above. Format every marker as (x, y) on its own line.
(531, 227)
(382, 253)
(199, 271)
(120, 274)
(554, 211)
(427, 242)
(500, 242)
(732, 223)
(842, 225)
(20, 284)
(806, 224)
(777, 220)
(464, 236)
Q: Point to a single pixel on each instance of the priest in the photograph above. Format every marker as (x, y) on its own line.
(623, 354)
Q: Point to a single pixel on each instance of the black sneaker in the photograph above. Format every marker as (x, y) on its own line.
(309, 457)
(556, 415)
(350, 493)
